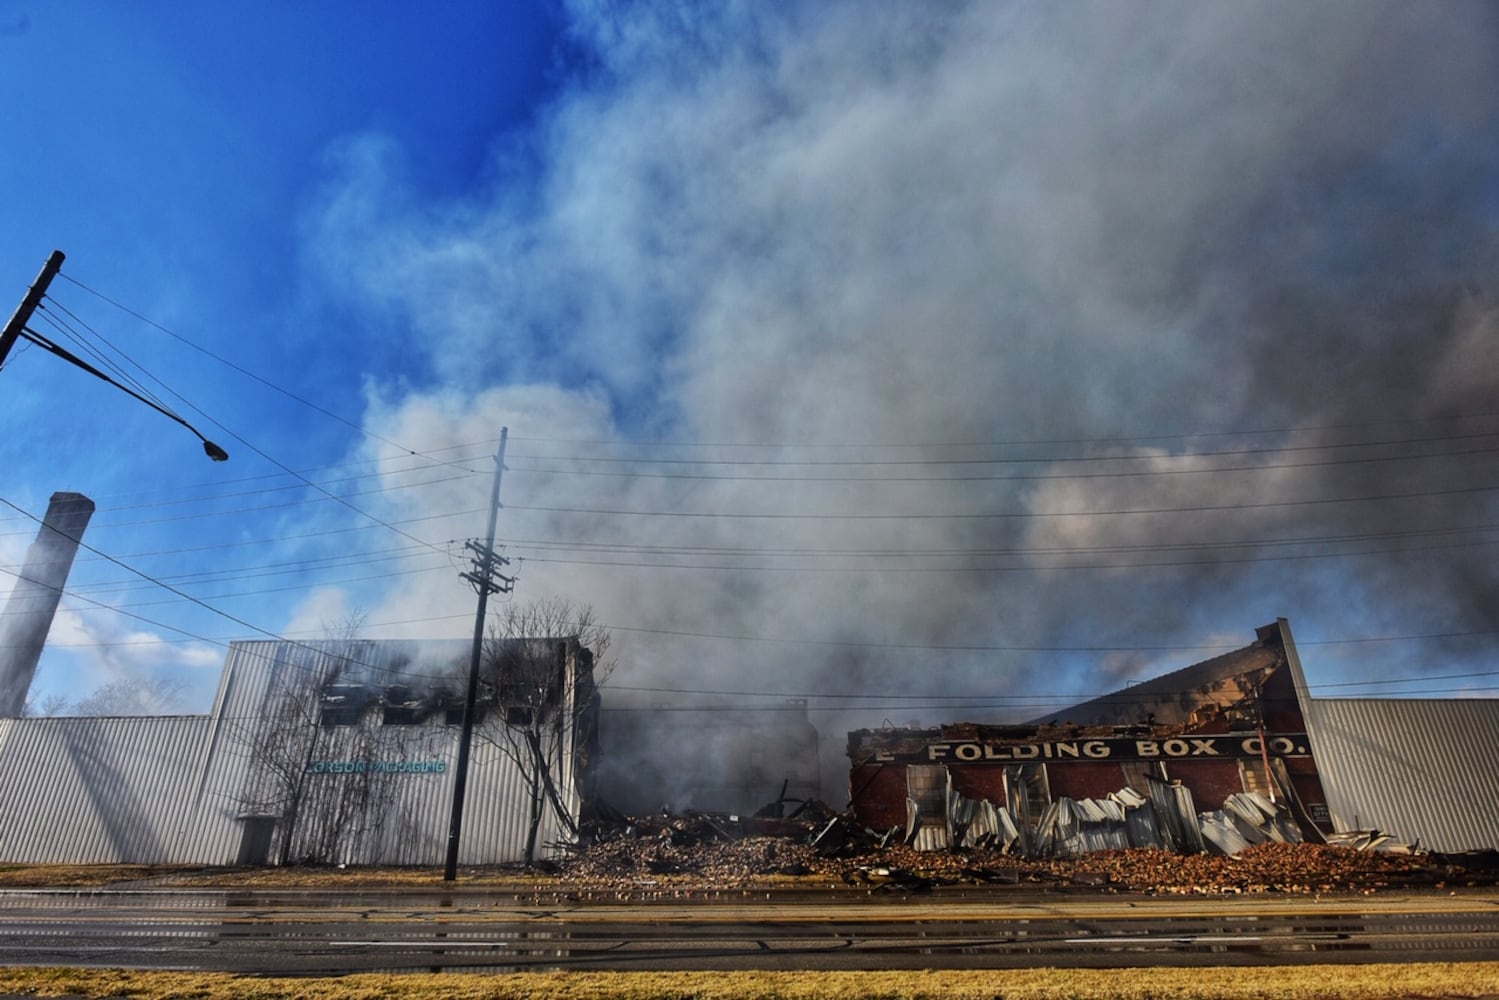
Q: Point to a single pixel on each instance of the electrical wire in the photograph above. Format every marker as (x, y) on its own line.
(257, 450)
(1175, 435)
(1033, 460)
(988, 515)
(104, 361)
(185, 596)
(1039, 568)
(1139, 438)
(324, 486)
(966, 700)
(236, 367)
(1038, 477)
(551, 544)
(547, 545)
(927, 462)
(262, 591)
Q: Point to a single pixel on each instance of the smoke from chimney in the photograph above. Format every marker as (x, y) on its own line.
(33, 602)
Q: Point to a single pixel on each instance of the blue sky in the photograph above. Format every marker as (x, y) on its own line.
(998, 352)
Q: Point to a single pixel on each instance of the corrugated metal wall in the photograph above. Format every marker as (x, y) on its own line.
(416, 807)
(175, 790)
(1411, 767)
(89, 790)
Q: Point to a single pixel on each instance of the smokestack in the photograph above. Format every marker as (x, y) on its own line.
(33, 602)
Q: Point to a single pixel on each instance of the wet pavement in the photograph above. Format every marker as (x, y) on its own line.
(329, 932)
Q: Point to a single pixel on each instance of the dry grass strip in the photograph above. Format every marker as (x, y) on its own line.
(1469, 980)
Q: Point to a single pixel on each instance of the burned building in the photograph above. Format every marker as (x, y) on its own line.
(1217, 756)
(728, 759)
(327, 752)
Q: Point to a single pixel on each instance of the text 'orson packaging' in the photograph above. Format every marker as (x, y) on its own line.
(377, 767)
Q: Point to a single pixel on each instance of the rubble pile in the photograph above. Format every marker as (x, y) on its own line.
(716, 853)
(1290, 868)
(1280, 868)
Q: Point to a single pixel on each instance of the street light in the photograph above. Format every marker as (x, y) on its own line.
(17, 329)
(210, 449)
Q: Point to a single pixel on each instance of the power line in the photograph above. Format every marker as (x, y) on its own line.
(987, 515)
(185, 596)
(977, 706)
(236, 367)
(298, 483)
(881, 555)
(532, 545)
(302, 536)
(286, 568)
(1020, 699)
(417, 571)
(301, 481)
(103, 360)
(181, 501)
(550, 544)
(1000, 648)
(1163, 436)
(302, 502)
(1046, 568)
(1034, 459)
(1039, 477)
(1174, 435)
(881, 645)
(247, 443)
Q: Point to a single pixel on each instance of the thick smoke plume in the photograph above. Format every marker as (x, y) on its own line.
(986, 295)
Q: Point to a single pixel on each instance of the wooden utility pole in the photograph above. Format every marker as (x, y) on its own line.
(22, 315)
(487, 580)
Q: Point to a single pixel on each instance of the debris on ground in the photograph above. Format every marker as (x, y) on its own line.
(820, 847)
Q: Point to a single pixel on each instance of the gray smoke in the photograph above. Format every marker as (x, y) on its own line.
(897, 233)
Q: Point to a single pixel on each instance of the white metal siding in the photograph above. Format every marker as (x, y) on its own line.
(1413, 768)
(86, 790)
(174, 789)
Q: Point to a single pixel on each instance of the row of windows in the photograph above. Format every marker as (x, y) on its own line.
(349, 714)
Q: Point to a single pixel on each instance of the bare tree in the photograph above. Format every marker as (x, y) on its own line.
(282, 737)
(52, 704)
(149, 696)
(316, 712)
(541, 666)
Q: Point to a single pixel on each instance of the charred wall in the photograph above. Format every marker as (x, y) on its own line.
(1224, 727)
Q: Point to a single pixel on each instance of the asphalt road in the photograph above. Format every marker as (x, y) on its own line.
(332, 932)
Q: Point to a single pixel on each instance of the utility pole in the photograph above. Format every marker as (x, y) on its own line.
(34, 295)
(487, 580)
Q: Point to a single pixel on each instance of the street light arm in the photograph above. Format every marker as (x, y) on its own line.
(212, 450)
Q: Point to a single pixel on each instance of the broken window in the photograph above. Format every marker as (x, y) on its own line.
(1137, 774)
(926, 785)
(926, 806)
(1027, 791)
(529, 676)
(452, 715)
(402, 707)
(339, 715)
(344, 704)
(1252, 775)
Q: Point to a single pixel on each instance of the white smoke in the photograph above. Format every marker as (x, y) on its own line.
(871, 232)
